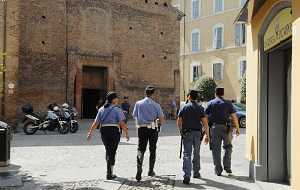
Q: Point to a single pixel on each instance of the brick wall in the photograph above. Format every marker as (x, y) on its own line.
(137, 41)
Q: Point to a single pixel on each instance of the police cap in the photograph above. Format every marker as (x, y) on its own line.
(220, 91)
(150, 89)
(193, 94)
(111, 96)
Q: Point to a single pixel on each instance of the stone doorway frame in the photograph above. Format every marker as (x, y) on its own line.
(262, 132)
(77, 62)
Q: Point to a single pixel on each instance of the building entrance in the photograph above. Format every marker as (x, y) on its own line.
(278, 112)
(94, 89)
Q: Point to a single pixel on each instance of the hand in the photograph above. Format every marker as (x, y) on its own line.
(206, 140)
(237, 132)
(89, 136)
(127, 138)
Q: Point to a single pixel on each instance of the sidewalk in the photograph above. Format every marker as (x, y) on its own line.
(70, 162)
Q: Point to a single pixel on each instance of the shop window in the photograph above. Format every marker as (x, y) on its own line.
(195, 9)
(218, 6)
(195, 40)
(218, 35)
(218, 71)
(240, 34)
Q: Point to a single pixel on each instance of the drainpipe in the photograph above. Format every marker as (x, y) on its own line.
(4, 57)
(66, 51)
(184, 33)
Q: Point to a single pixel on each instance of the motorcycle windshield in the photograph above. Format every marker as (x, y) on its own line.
(51, 115)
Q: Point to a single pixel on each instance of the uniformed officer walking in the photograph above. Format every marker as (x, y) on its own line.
(191, 122)
(111, 120)
(219, 112)
(149, 117)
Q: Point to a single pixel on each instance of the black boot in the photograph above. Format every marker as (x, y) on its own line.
(139, 172)
(110, 175)
(151, 168)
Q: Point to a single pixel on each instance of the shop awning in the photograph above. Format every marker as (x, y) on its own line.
(243, 14)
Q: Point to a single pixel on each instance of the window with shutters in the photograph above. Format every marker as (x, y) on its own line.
(242, 2)
(195, 40)
(218, 71)
(195, 8)
(218, 6)
(243, 67)
(196, 72)
(240, 34)
(218, 35)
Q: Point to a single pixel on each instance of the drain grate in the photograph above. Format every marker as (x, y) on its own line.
(150, 183)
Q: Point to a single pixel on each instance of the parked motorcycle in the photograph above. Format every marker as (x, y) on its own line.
(71, 115)
(34, 122)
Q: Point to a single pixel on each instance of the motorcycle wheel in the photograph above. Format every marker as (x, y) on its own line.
(74, 128)
(51, 128)
(64, 128)
(29, 128)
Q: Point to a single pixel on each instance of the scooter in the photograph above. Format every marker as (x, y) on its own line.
(70, 113)
(33, 122)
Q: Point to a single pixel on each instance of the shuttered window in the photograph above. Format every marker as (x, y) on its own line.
(240, 34)
(195, 9)
(218, 6)
(242, 2)
(196, 72)
(218, 71)
(195, 41)
(218, 37)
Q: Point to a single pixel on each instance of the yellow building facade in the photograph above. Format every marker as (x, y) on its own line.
(273, 44)
(212, 44)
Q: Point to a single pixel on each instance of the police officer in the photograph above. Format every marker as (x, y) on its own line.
(110, 119)
(191, 120)
(149, 116)
(219, 112)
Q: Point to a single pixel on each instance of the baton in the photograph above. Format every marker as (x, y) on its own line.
(180, 154)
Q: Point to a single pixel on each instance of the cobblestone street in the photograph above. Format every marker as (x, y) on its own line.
(51, 161)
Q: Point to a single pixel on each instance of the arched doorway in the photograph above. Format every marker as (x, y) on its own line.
(274, 95)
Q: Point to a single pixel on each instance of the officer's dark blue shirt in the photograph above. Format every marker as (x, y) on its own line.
(219, 111)
(191, 114)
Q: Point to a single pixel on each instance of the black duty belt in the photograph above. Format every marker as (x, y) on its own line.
(220, 123)
(188, 130)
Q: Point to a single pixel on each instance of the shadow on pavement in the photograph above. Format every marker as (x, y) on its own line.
(11, 177)
(208, 183)
(240, 178)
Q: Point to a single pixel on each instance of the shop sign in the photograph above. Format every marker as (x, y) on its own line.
(280, 29)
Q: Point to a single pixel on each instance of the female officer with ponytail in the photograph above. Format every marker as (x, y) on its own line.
(111, 120)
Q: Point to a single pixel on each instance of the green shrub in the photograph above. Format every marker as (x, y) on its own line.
(206, 86)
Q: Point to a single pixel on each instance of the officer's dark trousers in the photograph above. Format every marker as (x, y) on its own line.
(147, 135)
(111, 139)
(219, 134)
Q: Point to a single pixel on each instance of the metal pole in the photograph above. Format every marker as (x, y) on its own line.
(4, 56)
(184, 33)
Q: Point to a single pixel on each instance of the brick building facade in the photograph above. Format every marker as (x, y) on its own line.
(76, 50)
